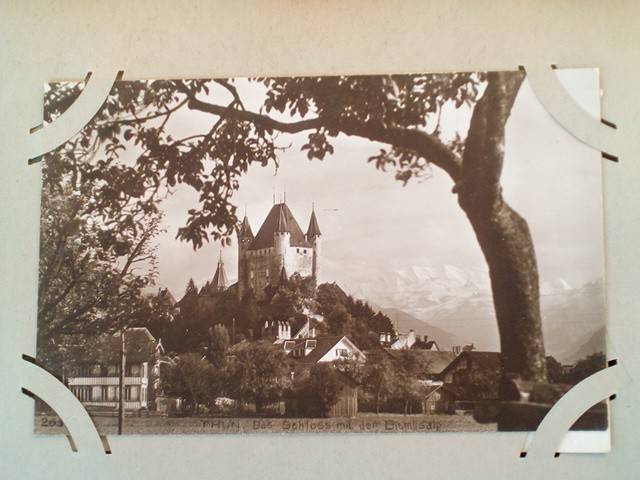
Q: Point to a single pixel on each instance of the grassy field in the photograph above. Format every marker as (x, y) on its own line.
(363, 423)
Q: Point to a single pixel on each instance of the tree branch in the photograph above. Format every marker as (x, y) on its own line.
(422, 143)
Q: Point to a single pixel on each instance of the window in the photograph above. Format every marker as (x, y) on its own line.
(104, 393)
(133, 370)
(132, 393)
(95, 370)
(251, 274)
(83, 392)
(342, 352)
(113, 370)
(112, 393)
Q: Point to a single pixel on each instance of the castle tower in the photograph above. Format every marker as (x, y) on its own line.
(281, 237)
(245, 237)
(280, 247)
(313, 237)
(219, 283)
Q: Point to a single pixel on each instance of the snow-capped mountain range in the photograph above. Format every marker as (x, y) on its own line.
(456, 305)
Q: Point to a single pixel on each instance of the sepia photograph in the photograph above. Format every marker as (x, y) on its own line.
(360, 254)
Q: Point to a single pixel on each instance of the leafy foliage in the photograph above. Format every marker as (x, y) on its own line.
(259, 373)
(218, 344)
(318, 392)
(195, 379)
(137, 117)
(378, 376)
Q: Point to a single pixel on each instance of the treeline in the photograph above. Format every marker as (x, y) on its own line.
(293, 300)
(574, 374)
(258, 378)
(253, 378)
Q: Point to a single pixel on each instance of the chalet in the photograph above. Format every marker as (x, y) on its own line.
(434, 361)
(309, 351)
(474, 375)
(95, 379)
(438, 398)
(328, 349)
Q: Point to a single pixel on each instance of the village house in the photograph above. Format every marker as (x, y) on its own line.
(308, 352)
(473, 375)
(437, 397)
(95, 379)
(409, 340)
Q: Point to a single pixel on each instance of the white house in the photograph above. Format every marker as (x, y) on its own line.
(94, 375)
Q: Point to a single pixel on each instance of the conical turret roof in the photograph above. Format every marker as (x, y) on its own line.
(314, 228)
(245, 228)
(219, 281)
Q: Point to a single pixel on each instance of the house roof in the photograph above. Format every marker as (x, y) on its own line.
(279, 219)
(140, 346)
(244, 344)
(323, 345)
(486, 360)
(435, 361)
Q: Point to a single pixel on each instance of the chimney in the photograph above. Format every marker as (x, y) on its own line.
(425, 338)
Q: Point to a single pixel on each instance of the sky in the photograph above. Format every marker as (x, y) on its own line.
(373, 226)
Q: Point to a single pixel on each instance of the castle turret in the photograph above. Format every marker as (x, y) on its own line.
(219, 282)
(313, 237)
(245, 237)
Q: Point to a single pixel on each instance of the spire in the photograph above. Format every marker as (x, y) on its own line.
(219, 282)
(314, 229)
(245, 228)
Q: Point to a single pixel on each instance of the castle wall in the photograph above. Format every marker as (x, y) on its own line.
(264, 265)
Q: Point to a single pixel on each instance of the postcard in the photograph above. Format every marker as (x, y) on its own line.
(376, 253)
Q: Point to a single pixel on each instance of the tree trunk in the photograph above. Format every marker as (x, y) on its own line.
(502, 233)
(507, 245)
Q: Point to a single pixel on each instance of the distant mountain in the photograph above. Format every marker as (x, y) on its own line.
(459, 306)
(574, 322)
(404, 322)
(595, 344)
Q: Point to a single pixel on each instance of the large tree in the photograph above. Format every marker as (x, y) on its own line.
(97, 252)
(259, 373)
(403, 112)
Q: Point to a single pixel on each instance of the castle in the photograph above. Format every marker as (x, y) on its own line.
(278, 250)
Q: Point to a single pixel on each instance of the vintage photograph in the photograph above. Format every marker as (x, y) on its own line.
(374, 253)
